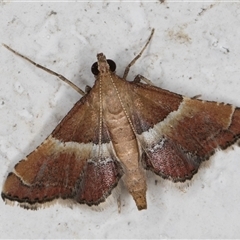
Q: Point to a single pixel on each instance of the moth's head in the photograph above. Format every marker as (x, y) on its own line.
(103, 65)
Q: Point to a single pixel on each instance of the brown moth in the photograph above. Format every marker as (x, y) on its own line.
(118, 130)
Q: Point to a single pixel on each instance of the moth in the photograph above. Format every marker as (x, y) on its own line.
(119, 130)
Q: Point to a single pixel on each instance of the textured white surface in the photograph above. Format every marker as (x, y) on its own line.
(195, 50)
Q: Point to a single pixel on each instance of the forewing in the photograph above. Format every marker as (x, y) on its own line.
(178, 133)
(67, 164)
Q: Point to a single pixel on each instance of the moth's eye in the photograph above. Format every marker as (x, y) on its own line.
(94, 69)
(112, 65)
(110, 62)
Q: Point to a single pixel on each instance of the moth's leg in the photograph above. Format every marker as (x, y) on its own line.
(196, 96)
(87, 89)
(47, 70)
(137, 57)
(119, 204)
(139, 77)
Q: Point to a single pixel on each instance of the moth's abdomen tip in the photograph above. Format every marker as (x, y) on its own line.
(140, 199)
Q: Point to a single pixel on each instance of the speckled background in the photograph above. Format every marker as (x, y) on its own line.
(195, 50)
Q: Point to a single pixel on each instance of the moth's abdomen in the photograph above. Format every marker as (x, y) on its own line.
(126, 148)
